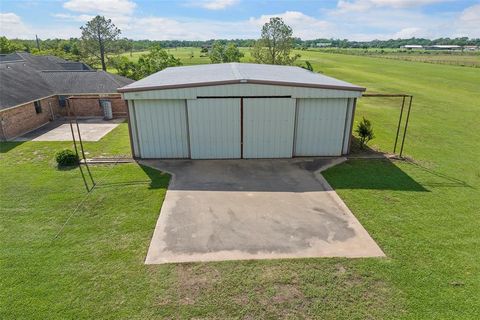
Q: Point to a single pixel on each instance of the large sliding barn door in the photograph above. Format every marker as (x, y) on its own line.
(268, 126)
(214, 128)
(320, 127)
(162, 128)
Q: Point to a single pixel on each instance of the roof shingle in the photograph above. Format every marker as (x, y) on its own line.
(35, 77)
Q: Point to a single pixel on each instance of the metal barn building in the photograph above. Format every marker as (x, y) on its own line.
(239, 110)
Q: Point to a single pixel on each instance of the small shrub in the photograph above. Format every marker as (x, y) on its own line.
(365, 132)
(66, 158)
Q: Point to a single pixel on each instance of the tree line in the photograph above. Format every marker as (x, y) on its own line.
(71, 46)
(101, 44)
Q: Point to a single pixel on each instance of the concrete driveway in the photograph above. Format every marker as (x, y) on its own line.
(92, 129)
(253, 209)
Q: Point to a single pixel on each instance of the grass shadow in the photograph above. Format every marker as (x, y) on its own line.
(158, 179)
(9, 145)
(357, 150)
(125, 184)
(443, 180)
(377, 174)
(67, 168)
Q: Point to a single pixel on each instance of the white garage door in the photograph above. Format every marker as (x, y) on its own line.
(268, 125)
(162, 128)
(214, 127)
(320, 127)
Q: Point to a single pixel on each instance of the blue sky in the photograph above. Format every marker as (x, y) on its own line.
(207, 19)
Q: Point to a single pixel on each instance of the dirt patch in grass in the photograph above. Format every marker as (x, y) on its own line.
(195, 280)
(285, 293)
(283, 290)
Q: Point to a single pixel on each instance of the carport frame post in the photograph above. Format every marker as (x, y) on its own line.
(241, 128)
(404, 97)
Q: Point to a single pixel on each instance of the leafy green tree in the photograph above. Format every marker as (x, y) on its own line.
(123, 45)
(7, 46)
(55, 52)
(232, 53)
(156, 60)
(275, 44)
(365, 132)
(217, 52)
(222, 52)
(98, 38)
(125, 67)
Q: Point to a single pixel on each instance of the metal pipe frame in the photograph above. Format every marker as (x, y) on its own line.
(404, 97)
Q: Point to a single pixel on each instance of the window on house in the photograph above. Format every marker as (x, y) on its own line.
(38, 106)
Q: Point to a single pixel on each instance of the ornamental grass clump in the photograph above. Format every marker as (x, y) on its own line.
(365, 132)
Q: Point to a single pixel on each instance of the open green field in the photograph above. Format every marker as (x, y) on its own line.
(457, 58)
(191, 56)
(424, 215)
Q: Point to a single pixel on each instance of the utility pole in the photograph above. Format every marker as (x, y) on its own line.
(38, 42)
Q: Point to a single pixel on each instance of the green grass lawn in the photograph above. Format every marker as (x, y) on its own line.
(424, 215)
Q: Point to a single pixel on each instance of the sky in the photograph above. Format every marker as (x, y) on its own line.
(360, 20)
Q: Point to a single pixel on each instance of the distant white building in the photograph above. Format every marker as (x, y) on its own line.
(412, 46)
(438, 47)
(323, 44)
(443, 47)
(470, 48)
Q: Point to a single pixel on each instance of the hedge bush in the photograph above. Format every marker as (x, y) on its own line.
(66, 158)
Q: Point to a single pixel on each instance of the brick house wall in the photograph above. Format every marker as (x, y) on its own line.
(19, 120)
(88, 106)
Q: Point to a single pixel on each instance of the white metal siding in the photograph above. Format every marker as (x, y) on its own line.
(162, 128)
(133, 127)
(214, 127)
(320, 127)
(243, 90)
(268, 125)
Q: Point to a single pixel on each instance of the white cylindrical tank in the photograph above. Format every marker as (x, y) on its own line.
(107, 109)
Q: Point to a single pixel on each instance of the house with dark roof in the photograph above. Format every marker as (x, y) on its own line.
(37, 89)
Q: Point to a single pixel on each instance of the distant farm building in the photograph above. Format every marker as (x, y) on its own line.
(323, 44)
(446, 47)
(470, 48)
(412, 46)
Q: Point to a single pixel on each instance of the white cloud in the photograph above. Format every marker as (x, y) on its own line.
(163, 28)
(11, 26)
(364, 5)
(304, 26)
(468, 24)
(160, 28)
(386, 23)
(119, 11)
(215, 4)
(380, 22)
(409, 32)
(115, 7)
(71, 17)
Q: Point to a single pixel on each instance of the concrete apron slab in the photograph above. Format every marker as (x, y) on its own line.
(59, 130)
(213, 211)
